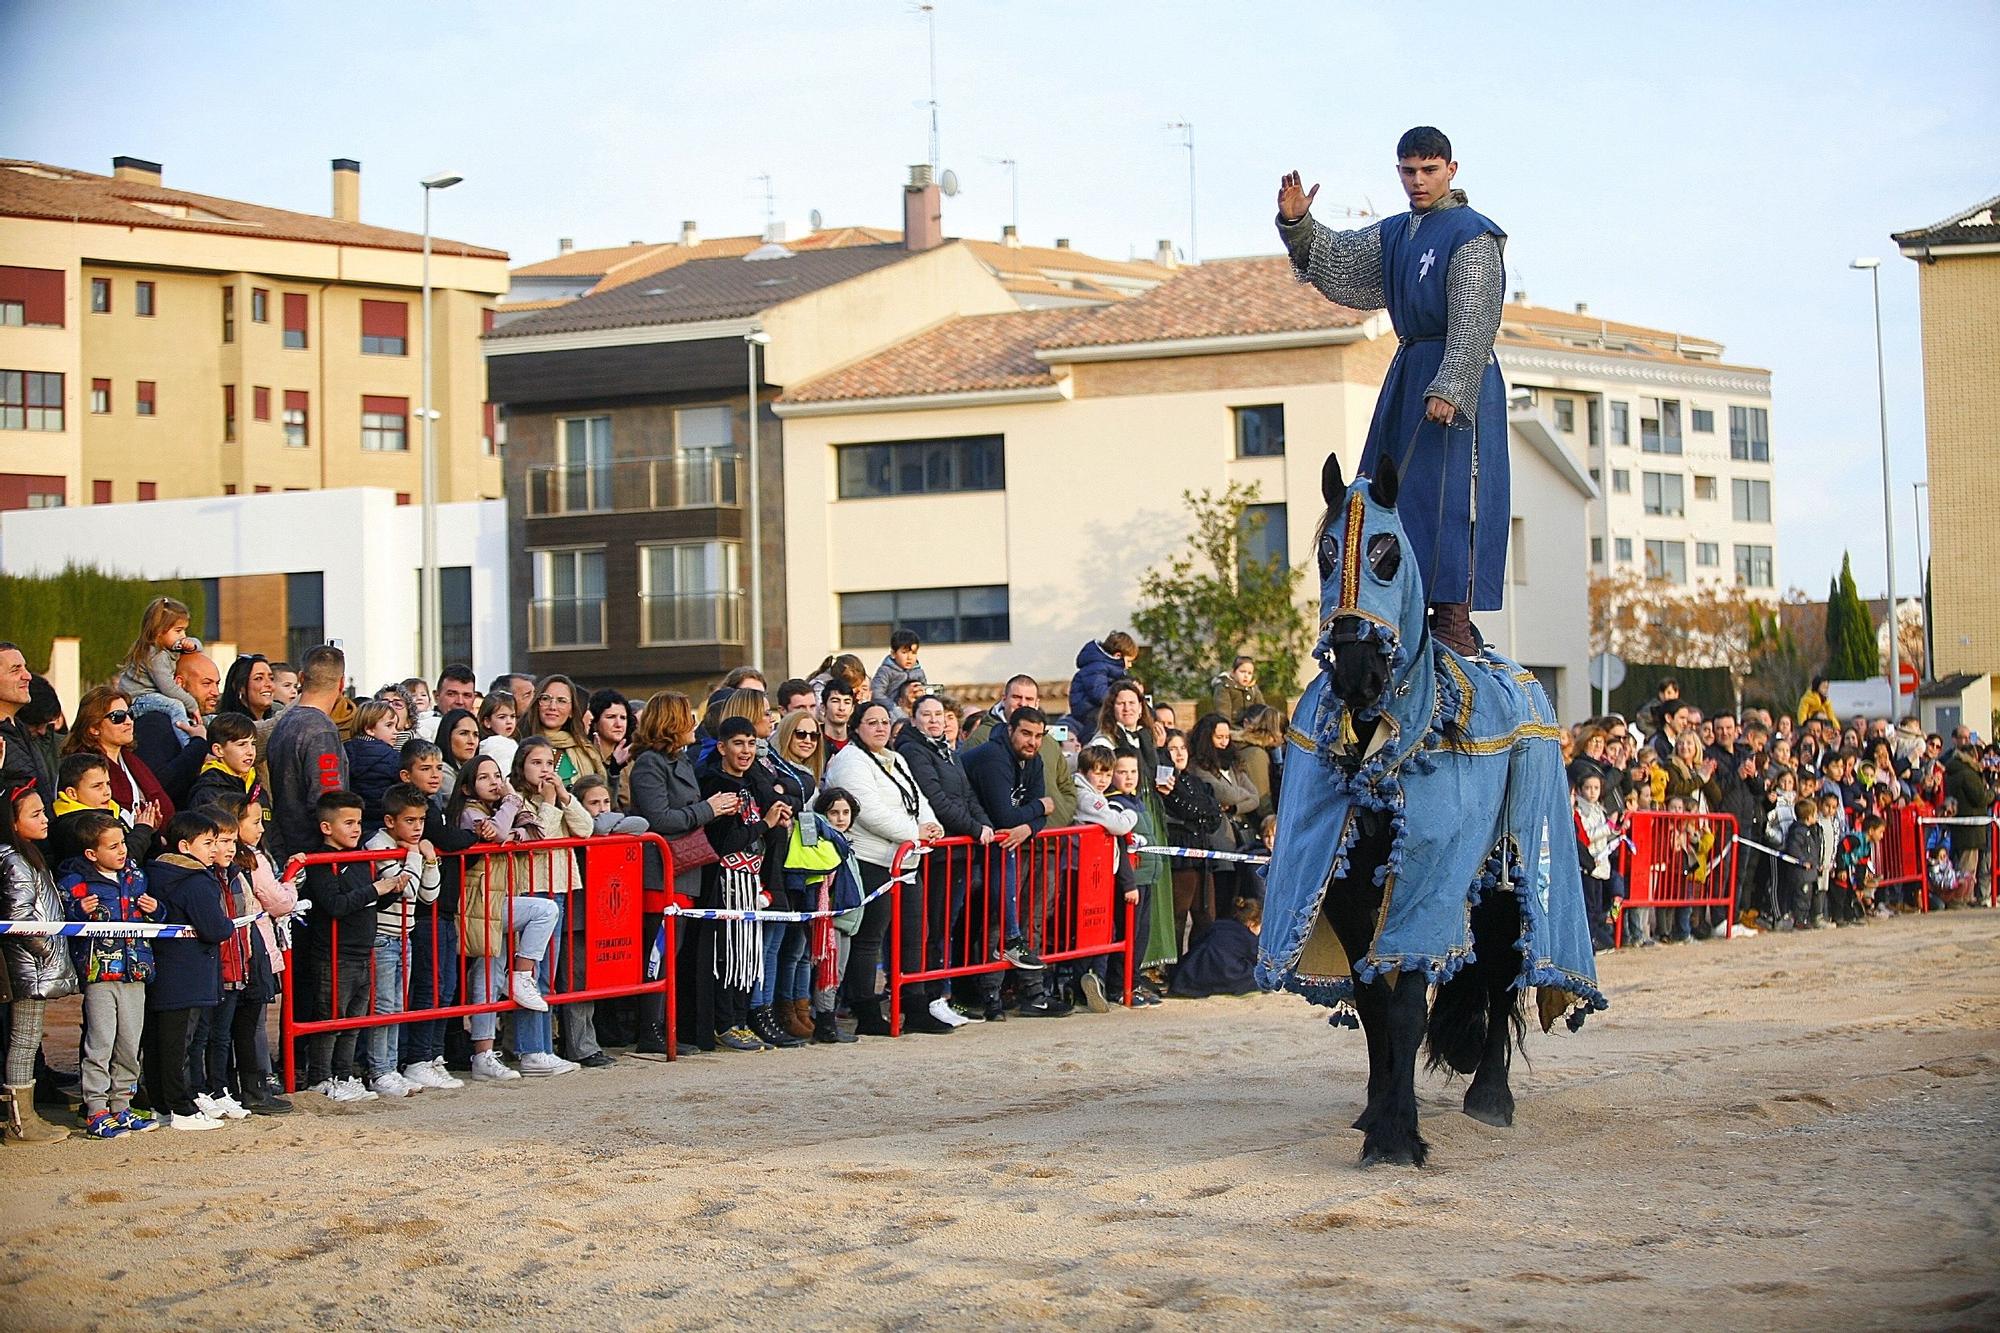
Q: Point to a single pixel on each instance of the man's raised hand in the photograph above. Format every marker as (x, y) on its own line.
(1294, 202)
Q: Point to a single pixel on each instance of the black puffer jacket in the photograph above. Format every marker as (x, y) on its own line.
(1192, 814)
(38, 966)
(950, 792)
(1964, 784)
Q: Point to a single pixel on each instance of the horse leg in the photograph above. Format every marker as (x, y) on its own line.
(1393, 1136)
(1495, 927)
(1350, 907)
(1368, 1002)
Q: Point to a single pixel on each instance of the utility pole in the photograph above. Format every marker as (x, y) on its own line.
(1186, 127)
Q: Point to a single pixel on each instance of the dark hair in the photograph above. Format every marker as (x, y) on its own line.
(461, 792)
(1241, 660)
(603, 699)
(74, 766)
(528, 745)
(92, 825)
(44, 704)
(402, 796)
(228, 727)
(282, 668)
(854, 725)
(417, 748)
(186, 826)
(324, 668)
(238, 680)
(460, 673)
(1667, 683)
(9, 838)
(828, 795)
(837, 686)
(1023, 715)
(588, 782)
(1424, 141)
(790, 689)
(1818, 681)
(504, 684)
(1120, 644)
(333, 802)
(904, 638)
(734, 680)
(231, 803)
(1094, 758)
(731, 727)
(1202, 753)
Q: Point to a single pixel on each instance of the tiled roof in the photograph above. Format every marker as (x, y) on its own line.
(963, 355)
(704, 289)
(1004, 258)
(1222, 298)
(1543, 317)
(37, 190)
(619, 264)
(1517, 336)
(1978, 225)
(586, 263)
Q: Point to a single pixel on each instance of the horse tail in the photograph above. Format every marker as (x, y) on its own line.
(1456, 1035)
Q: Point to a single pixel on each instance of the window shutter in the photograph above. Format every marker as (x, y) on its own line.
(295, 312)
(39, 290)
(394, 406)
(385, 319)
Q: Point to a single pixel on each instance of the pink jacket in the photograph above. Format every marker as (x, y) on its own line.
(278, 900)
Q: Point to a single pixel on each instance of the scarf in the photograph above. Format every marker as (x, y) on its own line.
(938, 746)
(739, 952)
(908, 794)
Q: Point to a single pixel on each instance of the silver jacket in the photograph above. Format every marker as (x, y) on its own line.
(38, 966)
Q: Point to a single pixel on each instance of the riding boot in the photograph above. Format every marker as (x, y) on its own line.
(795, 1016)
(24, 1124)
(1451, 625)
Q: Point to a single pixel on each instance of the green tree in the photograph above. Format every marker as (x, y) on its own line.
(1850, 630)
(1211, 601)
(83, 602)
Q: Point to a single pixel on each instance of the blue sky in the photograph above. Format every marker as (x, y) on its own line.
(1705, 167)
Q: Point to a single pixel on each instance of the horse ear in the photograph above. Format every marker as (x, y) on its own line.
(1383, 488)
(1331, 484)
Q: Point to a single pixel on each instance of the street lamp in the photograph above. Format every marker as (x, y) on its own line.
(1874, 267)
(430, 652)
(752, 341)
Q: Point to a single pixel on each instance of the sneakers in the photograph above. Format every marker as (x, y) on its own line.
(521, 989)
(544, 1064)
(343, 1090)
(942, 1011)
(487, 1068)
(393, 1084)
(430, 1074)
(136, 1122)
(224, 1107)
(190, 1123)
(739, 1039)
(1091, 987)
(1042, 1007)
(1018, 954)
(231, 1108)
(104, 1125)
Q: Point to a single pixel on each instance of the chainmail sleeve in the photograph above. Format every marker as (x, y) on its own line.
(1474, 287)
(1346, 266)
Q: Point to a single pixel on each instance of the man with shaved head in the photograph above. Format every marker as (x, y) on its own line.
(176, 755)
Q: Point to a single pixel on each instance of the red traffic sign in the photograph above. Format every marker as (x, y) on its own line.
(1907, 682)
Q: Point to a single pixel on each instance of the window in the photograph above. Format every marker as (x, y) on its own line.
(1702, 421)
(260, 306)
(705, 440)
(385, 328)
(1594, 409)
(402, 497)
(295, 321)
(1750, 434)
(1621, 424)
(1263, 538)
(1667, 560)
(150, 490)
(1260, 431)
(229, 488)
(1660, 426)
(228, 413)
(305, 614)
(1749, 501)
(32, 297)
(100, 492)
(690, 592)
(923, 467)
(28, 490)
(568, 606)
(938, 615)
(295, 418)
(229, 314)
(1623, 547)
(454, 612)
(142, 299)
(1597, 550)
(1704, 487)
(584, 463)
(31, 400)
(145, 403)
(1707, 555)
(260, 490)
(1663, 493)
(385, 424)
(260, 402)
(1621, 481)
(100, 397)
(1754, 566)
(1566, 415)
(211, 609)
(100, 296)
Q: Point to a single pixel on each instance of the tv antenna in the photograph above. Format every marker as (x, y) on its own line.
(1186, 127)
(770, 200)
(1013, 186)
(929, 13)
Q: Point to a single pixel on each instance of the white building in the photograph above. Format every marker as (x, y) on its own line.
(288, 571)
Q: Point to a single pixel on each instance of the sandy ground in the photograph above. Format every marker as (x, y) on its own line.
(1784, 1132)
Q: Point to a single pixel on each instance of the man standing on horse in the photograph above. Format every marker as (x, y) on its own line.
(1442, 414)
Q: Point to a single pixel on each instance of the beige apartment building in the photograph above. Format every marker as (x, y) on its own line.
(157, 343)
(1958, 289)
(1678, 439)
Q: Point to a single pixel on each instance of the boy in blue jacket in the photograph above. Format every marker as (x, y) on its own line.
(101, 884)
(340, 929)
(187, 970)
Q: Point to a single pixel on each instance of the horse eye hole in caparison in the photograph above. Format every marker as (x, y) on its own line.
(1385, 555)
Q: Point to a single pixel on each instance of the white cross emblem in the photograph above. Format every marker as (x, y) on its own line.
(1424, 264)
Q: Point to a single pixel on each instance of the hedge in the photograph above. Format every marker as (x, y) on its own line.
(83, 602)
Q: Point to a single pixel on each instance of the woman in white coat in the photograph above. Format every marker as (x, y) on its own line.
(891, 809)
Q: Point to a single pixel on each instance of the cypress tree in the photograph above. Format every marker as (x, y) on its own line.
(1850, 630)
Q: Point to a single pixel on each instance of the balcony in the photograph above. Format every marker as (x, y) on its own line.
(565, 622)
(694, 479)
(666, 619)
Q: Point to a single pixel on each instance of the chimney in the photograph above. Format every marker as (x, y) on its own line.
(1583, 307)
(565, 244)
(346, 189)
(1010, 236)
(923, 211)
(1520, 298)
(690, 234)
(135, 169)
(1062, 242)
(1164, 256)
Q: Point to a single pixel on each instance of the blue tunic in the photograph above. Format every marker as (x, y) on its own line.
(1454, 503)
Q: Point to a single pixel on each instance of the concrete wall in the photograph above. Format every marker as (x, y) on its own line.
(837, 325)
(1960, 298)
(367, 546)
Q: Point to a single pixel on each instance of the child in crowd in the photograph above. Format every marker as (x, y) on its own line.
(555, 813)
(340, 939)
(433, 957)
(277, 899)
(498, 719)
(899, 668)
(1853, 889)
(1124, 794)
(595, 793)
(1222, 958)
(231, 766)
(1798, 873)
(372, 760)
(101, 883)
(1595, 842)
(1098, 664)
(187, 969)
(404, 811)
(37, 966)
(215, 1028)
(1093, 779)
(83, 787)
(148, 678)
(829, 937)
(498, 922)
(285, 683)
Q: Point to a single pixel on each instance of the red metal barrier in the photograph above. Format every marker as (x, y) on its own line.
(1067, 904)
(1899, 857)
(1680, 860)
(614, 945)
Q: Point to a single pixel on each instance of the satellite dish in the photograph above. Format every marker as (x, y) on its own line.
(949, 183)
(817, 220)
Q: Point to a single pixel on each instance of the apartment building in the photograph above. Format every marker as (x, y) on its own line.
(156, 343)
(1678, 440)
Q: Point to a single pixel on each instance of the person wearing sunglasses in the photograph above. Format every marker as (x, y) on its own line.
(103, 726)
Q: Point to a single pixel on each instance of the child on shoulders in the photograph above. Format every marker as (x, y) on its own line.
(148, 678)
(898, 669)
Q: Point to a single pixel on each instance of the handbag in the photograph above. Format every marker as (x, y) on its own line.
(692, 851)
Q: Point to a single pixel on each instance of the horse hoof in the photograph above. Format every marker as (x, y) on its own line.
(1362, 1122)
(1500, 1117)
(1412, 1153)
